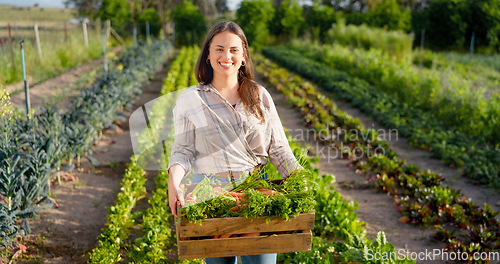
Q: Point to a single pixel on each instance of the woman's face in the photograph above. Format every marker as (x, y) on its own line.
(226, 54)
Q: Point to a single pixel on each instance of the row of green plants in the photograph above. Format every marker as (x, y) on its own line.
(430, 90)
(397, 43)
(480, 162)
(34, 148)
(339, 236)
(57, 56)
(157, 236)
(120, 217)
(419, 194)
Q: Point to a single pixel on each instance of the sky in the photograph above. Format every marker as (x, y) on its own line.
(232, 4)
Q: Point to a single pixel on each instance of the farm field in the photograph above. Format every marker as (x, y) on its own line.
(372, 212)
(399, 144)
(62, 45)
(23, 15)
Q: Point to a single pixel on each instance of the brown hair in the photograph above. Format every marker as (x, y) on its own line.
(249, 89)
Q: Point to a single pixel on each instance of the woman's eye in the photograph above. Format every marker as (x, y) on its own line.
(218, 49)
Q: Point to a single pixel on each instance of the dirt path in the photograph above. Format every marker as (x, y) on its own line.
(67, 234)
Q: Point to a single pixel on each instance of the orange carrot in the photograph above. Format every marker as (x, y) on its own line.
(250, 235)
(236, 194)
(268, 192)
(225, 236)
(216, 236)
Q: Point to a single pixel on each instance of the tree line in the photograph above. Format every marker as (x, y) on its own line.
(443, 24)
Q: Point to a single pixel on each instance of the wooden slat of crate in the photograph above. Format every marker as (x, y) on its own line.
(242, 225)
(241, 246)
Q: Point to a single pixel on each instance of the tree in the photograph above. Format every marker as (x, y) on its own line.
(483, 19)
(87, 8)
(118, 12)
(443, 23)
(150, 16)
(388, 14)
(190, 24)
(221, 6)
(320, 18)
(254, 16)
(288, 19)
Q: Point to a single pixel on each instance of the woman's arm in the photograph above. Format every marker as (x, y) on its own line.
(280, 153)
(182, 154)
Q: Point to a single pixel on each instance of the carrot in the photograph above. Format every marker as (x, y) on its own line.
(225, 236)
(216, 236)
(236, 194)
(268, 192)
(250, 235)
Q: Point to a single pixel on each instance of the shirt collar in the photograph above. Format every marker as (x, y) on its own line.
(204, 87)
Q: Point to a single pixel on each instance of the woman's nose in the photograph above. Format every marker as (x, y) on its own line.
(227, 55)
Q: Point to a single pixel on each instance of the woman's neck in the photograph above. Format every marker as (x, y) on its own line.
(225, 85)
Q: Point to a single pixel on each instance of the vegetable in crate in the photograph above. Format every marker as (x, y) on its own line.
(253, 198)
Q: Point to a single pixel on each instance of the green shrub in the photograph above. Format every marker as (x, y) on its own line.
(388, 14)
(118, 12)
(319, 20)
(288, 19)
(396, 43)
(253, 16)
(190, 24)
(149, 15)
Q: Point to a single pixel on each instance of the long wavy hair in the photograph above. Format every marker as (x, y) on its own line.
(248, 89)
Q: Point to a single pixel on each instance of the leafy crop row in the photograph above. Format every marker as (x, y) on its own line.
(120, 217)
(429, 90)
(32, 150)
(480, 163)
(157, 237)
(419, 194)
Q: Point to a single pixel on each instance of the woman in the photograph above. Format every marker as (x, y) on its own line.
(227, 125)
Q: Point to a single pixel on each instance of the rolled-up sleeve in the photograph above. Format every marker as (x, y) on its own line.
(280, 153)
(183, 148)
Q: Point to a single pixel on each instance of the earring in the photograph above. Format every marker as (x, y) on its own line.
(207, 61)
(243, 63)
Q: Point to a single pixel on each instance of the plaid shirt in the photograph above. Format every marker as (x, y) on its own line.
(211, 136)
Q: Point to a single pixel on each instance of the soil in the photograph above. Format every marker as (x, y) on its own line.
(66, 234)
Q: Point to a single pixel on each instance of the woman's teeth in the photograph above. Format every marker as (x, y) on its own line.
(226, 64)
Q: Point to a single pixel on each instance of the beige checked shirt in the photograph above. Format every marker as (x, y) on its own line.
(211, 136)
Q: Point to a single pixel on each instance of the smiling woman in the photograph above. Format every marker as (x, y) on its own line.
(227, 126)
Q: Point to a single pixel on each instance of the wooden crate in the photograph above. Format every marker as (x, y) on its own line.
(193, 239)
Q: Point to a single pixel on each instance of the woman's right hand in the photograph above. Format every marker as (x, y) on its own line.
(175, 193)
